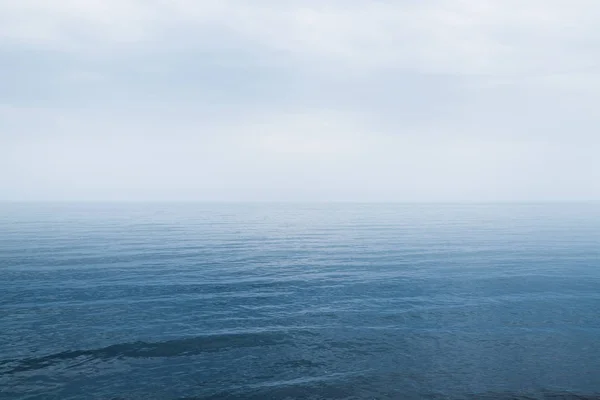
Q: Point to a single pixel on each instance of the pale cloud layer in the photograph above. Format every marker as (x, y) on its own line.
(441, 100)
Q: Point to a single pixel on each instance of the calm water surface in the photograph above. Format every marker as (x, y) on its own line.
(285, 301)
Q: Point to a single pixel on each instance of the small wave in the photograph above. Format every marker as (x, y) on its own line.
(320, 392)
(171, 348)
(356, 387)
(535, 396)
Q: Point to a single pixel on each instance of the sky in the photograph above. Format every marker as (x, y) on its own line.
(307, 100)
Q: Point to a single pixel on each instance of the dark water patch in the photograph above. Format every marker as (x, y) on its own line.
(171, 348)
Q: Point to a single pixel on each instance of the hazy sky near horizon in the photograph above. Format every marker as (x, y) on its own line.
(435, 100)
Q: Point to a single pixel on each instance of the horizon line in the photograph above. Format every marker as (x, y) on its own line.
(407, 202)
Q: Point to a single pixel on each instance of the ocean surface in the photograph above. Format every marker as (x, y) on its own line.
(299, 301)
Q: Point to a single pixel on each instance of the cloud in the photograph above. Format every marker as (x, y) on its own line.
(290, 156)
(441, 36)
(367, 100)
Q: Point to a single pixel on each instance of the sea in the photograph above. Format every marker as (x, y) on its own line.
(299, 301)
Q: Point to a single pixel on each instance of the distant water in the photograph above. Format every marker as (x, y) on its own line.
(299, 301)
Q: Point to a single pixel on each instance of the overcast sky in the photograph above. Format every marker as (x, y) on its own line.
(353, 100)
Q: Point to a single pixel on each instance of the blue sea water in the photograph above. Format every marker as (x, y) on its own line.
(299, 301)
